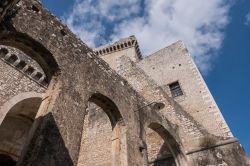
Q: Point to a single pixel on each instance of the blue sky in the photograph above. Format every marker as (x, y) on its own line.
(217, 33)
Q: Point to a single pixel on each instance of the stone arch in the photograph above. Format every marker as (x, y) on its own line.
(16, 99)
(49, 67)
(17, 117)
(31, 48)
(108, 106)
(170, 151)
(116, 135)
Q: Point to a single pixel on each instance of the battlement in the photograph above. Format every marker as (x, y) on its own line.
(120, 45)
(111, 109)
(20, 62)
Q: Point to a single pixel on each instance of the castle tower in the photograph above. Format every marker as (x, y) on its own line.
(61, 104)
(174, 70)
(113, 52)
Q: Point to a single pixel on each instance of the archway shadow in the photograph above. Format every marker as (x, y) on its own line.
(108, 106)
(46, 145)
(164, 159)
(6, 160)
(175, 156)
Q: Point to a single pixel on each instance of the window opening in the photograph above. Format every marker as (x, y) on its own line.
(175, 89)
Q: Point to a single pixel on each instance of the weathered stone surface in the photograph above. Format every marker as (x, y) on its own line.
(96, 146)
(134, 121)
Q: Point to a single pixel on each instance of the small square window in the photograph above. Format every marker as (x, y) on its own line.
(175, 89)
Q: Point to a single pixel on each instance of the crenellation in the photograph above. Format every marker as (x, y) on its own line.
(106, 106)
(118, 46)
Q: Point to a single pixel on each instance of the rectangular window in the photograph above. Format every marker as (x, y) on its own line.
(175, 89)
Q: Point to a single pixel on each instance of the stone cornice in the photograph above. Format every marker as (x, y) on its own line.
(23, 66)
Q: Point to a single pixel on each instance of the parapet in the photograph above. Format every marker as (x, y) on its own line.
(122, 44)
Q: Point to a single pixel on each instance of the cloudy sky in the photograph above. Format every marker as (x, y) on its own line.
(216, 32)
(199, 24)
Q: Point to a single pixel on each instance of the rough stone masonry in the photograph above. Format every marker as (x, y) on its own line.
(65, 104)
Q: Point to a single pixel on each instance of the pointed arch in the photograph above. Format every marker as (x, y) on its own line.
(108, 106)
(169, 144)
(104, 124)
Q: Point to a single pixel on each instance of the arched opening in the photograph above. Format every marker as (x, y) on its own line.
(15, 127)
(27, 68)
(103, 139)
(162, 148)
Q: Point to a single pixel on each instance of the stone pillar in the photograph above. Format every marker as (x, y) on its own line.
(119, 145)
(55, 137)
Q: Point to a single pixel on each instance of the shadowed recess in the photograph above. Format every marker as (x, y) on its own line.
(47, 146)
(108, 106)
(16, 125)
(170, 143)
(6, 160)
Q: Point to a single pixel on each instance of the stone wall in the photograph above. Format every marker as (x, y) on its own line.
(20, 98)
(157, 150)
(96, 146)
(76, 76)
(14, 82)
(75, 73)
(124, 47)
(190, 128)
(224, 155)
(174, 63)
(14, 131)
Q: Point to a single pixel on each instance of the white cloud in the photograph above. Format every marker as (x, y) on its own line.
(89, 18)
(248, 19)
(155, 23)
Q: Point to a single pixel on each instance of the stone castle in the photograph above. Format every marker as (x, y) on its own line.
(65, 104)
